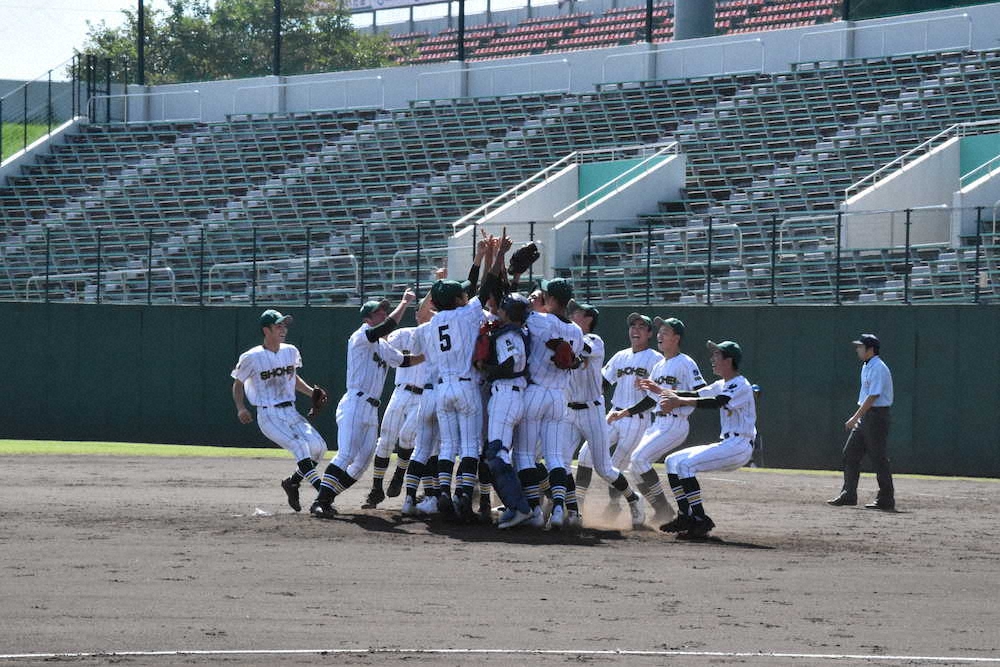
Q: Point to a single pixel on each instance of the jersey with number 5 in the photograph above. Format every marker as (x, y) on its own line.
(456, 331)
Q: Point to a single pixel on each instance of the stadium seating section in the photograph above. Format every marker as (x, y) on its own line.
(617, 26)
(264, 206)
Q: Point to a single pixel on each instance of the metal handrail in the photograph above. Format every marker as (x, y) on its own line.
(987, 167)
(163, 106)
(104, 275)
(681, 49)
(288, 261)
(641, 236)
(309, 86)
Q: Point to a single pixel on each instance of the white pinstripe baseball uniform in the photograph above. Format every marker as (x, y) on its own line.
(668, 430)
(545, 398)
(506, 403)
(269, 381)
(357, 413)
(623, 370)
(586, 418)
(459, 401)
(738, 419)
(404, 400)
(427, 441)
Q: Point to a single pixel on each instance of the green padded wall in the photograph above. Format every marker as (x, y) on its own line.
(977, 151)
(161, 374)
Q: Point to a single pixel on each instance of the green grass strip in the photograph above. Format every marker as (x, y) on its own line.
(20, 447)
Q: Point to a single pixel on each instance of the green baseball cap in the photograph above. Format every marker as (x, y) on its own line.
(632, 317)
(558, 288)
(444, 292)
(370, 307)
(271, 316)
(671, 322)
(728, 349)
(587, 309)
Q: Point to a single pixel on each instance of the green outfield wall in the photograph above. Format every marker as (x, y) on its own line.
(161, 374)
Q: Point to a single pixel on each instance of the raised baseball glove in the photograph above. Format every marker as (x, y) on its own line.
(523, 258)
(319, 400)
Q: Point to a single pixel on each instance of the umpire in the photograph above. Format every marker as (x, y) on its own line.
(869, 428)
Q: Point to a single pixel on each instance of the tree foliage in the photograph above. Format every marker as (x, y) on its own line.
(194, 41)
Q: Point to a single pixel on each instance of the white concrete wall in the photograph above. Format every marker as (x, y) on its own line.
(929, 181)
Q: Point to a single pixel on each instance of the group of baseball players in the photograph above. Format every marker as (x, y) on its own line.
(507, 387)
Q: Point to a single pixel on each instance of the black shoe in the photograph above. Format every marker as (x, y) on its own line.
(842, 500)
(884, 505)
(698, 528)
(464, 509)
(680, 524)
(375, 496)
(446, 507)
(292, 491)
(395, 485)
(322, 510)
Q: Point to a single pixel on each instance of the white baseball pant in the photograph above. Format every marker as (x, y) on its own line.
(401, 407)
(288, 429)
(357, 424)
(624, 435)
(460, 418)
(591, 425)
(544, 410)
(505, 410)
(730, 454)
(664, 435)
(427, 440)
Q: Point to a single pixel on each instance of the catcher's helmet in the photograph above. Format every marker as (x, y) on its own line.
(516, 307)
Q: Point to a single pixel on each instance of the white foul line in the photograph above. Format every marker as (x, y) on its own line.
(500, 651)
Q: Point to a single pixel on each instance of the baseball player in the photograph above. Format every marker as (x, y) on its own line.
(424, 460)
(667, 430)
(368, 359)
(459, 404)
(733, 396)
(267, 376)
(624, 370)
(400, 417)
(586, 413)
(505, 369)
(555, 343)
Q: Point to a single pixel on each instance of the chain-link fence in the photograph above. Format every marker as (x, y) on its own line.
(909, 256)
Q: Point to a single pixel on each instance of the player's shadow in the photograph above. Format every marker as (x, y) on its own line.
(481, 532)
(373, 522)
(712, 540)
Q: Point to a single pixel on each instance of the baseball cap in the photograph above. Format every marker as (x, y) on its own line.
(728, 349)
(671, 322)
(632, 317)
(587, 308)
(370, 307)
(867, 339)
(558, 288)
(444, 292)
(271, 316)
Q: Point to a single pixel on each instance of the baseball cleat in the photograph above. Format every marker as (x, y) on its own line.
(323, 510)
(409, 506)
(537, 518)
(680, 524)
(573, 519)
(445, 506)
(558, 517)
(395, 487)
(638, 513)
(375, 496)
(515, 518)
(463, 506)
(698, 528)
(292, 491)
(428, 506)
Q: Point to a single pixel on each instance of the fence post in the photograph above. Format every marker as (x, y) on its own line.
(1, 129)
(590, 250)
(201, 269)
(774, 255)
(840, 231)
(48, 105)
(72, 88)
(979, 246)
(48, 260)
(906, 271)
(253, 264)
(24, 123)
(708, 268)
(107, 89)
(649, 260)
(531, 238)
(98, 266)
(308, 260)
(417, 281)
(364, 250)
(149, 269)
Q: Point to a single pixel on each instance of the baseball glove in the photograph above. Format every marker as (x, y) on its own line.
(563, 356)
(319, 400)
(523, 258)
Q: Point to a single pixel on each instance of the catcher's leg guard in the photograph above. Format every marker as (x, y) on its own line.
(507, 485)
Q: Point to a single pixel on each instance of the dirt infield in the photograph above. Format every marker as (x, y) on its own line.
(109, 554)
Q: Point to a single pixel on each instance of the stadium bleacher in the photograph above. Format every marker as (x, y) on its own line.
(229, 212)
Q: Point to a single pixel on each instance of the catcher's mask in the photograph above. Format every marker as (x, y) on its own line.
(516, 307)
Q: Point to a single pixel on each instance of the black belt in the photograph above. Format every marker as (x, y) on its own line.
(581, 406)
(640, 415)
(737, 435)
(663, 414)
(513, 387)
(374, 402)
(286, 404)
(441, 381)
(428, 386)
(414, 389)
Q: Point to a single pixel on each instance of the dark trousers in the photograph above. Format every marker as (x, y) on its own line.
(870, 437)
